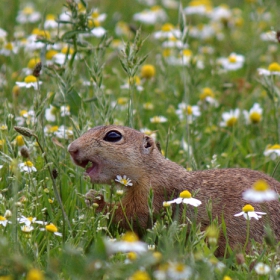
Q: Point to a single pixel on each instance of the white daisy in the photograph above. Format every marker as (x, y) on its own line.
(51, 228)
(167, 31)
(158, 119)
(188, 111)
(272, 151)
(260, 192)
(273, 70)
(155, 15)
(230, 118)
(262, 269)
(27, 167)
(29, 220)
(185, 197)
(29, 81)
(231, 63)
(124, 180)
(4, 221)
(254, 115)
(128, 243)
(248, 212)
(28, 14)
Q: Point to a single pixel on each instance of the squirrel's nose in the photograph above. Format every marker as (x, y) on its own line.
(73, 149)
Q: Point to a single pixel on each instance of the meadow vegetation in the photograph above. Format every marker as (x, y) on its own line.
(200, 76)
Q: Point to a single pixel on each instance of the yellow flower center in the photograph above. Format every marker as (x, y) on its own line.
(274, 147)
(255, 117)
(227, 278)
(231, 121)
(23, 112)
(51, 228)
(9, 46)
(124, 181)
(261, 186)
(132, 256)
(187, 52)
(179, 267)
(50, 54)
(185, 194)
(140, 275)
(20, 140)
(50, 17)
(3, 127)
(65, 50)
(122, 100)
(95, 14)
(206, 92)
(81, 7)
(155, 8)
(53, 129)
(188, 110)
(232, 59)
(2, 142)
(35, 274)
(130, 237)
(166, 204)
(274, 67)
(2, 218)
(248, 208)
(30, 219)
(30, 79)
(28, 163)
(41, 33)
(148, 71)
(166, 52)
(167, 27)
(32, 63)
(28, 10)
(200, 3)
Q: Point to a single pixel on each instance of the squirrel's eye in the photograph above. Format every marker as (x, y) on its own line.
(113, 136)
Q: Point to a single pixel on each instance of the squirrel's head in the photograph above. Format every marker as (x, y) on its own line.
(108, 151)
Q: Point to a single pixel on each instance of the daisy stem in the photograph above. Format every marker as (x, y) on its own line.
(247, 234)
(129, 224)
(55, 189)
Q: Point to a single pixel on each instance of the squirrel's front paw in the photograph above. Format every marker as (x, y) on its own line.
(93, 197)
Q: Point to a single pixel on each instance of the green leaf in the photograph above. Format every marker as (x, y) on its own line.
(74, 101)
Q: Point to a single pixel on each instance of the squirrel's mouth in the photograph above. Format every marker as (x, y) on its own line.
(90, 166)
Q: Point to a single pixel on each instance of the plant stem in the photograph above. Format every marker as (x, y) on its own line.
(247, 233)
(55, 189)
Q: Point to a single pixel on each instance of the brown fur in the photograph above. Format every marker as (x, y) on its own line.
(137, 156)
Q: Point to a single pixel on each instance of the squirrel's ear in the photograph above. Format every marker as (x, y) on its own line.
(148, 144)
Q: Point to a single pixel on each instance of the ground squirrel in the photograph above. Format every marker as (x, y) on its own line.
(117, 150)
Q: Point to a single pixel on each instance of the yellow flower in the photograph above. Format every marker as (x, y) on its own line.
(274, 67)
(20, 140)
(32, 62)
(185, 194)
(167, 27)
(53, 229)
(2, 142)
(35, 274)
(132, 256)
(140, 275)
(148, 71)
(130, 236)
(248, 208)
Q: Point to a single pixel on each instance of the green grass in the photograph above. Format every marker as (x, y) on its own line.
(80, 253)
